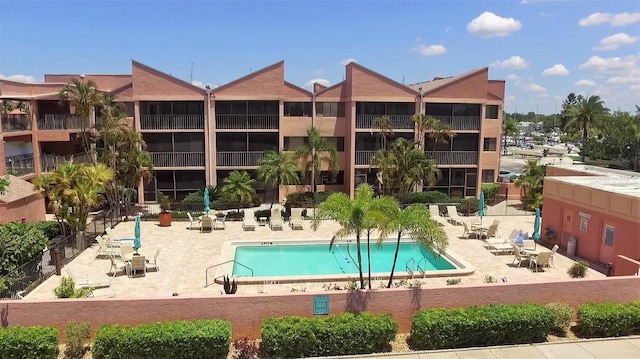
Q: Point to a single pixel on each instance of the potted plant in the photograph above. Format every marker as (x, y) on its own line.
(165, 217)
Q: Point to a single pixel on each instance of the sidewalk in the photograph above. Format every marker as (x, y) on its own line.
(613, 348)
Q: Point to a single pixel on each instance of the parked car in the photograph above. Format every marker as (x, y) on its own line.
(507, 176)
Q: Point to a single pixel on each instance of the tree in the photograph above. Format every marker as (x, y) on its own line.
(376, 219)
(313, 153)
(7, 106)
(424, 123)
(4, 184)
(510, 129)
(617, 140)
(84, 97)
(385, 128)
(586, 115)
(278, 169)
(571, 101)
(238, 187)
(440, 133)
(531, 180)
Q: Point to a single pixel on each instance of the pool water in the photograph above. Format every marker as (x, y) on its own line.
(316, 259)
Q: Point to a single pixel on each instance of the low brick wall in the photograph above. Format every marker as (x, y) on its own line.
(246, 312)
(626, 266)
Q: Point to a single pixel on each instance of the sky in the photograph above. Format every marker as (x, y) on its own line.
(544, 49)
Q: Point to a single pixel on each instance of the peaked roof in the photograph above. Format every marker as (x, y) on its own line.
(326, 89)
(249, 76)
(384, 78)
(436, 83)
(167, 76)
(18, 189)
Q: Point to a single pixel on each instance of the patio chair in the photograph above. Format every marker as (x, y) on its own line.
(206, 224)
(154, 265)
(435, 215)
(117, 265)
(496, 222)
(553, 252)
(453, 216)
(491, 231)
(467, 231)
(86, 282)
(126, 251)
(192, 221)
(138, 263)
(543, 259)
(295, 222)
(249, 222)
(529, 244)
(219, 223)
(275, 221)
(104, 249)
(519, 256)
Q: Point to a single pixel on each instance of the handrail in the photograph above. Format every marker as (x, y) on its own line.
(419, 268)
(410, 269)
(350, 256)
(206, 273)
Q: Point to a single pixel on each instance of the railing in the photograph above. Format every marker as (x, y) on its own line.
(239, 159)
(172, 122)
(49, 162)
(62, 122)
(454, 157)
(20, 165)
(364, 157)
(247, 122)
(398, 122)
(460, 123)
(177, 159)
(206, 272)
(12, 123)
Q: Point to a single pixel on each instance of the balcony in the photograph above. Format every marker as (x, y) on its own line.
(49, 162)
(247, 122)
(172, 122)
(177, 159)
(20, 165)
(13, 123)
(61, 122)
(363, 158)
(239, 159)
(398, 122)
(461, 123)
(454, 157)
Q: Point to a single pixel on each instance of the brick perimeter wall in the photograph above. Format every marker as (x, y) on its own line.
(247, 312)
(32, 209)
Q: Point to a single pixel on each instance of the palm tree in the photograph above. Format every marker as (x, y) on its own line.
(84, 97)
(238, 188)
(315, 152)
(531, 180)
(424, 123)
(385, 128)
(376, 219)
(510, 129)
(440, 133)
(278, 169)
(586, 115)
(7, 106)
(571, 101)
(414, 222)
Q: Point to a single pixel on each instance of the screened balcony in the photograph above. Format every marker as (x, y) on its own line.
(13, 123)
(243, 149)
(60, 122)
(454, 157)
(49, 162)
(368, 144)
(459, 117)
(247, 115)
(20, 165)
(399, 114)
(180, 149)
(172, 115)
(177, 159)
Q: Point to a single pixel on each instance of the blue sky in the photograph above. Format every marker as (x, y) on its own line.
(589, 46)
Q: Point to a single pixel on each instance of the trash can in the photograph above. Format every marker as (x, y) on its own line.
(571, 247)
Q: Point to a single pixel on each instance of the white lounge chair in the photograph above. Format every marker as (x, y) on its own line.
(296, 222)
(192, 221)
(104, 249)
(434, 210)
(275, 222)
(519, 255)
(453, 215)
(219, 223)
(86, 282)
(249, 221)
(154, 265)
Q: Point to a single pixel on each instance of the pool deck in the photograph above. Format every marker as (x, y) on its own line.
(186, 254)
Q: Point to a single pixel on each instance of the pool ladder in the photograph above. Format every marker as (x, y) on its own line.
(411, 266)
(206, 273)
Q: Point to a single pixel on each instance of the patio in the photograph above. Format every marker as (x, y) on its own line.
(186, 254)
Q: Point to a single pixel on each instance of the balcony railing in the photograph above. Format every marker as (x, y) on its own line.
(172, 122)
(20, 165)
(461, 123)
(239, 159)
(454, 157)
(49, 162)
(398, 122)
(177, 159)
(247, 122)
(55, 122)
(364, 157)
(13, 123)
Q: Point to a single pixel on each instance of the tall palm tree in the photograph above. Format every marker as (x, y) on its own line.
(586, 115)
(440, 133)
(278, 169)
(376, 219)
(424, 123)
(238, 187)
(316, 151)
(413, 221)
(84, 97)
(510, 129)
(385, 128)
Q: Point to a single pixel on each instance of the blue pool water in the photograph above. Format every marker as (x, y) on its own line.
(316, 259)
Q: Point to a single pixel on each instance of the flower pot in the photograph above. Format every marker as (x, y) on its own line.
(165, 219)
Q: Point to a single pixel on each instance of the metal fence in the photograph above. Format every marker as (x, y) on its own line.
(25, 278)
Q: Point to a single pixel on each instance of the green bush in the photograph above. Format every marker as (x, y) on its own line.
(480, 326)
(20, 243)
(426, 197)
(50, 229)
(67, 289)
(28, 342)
(345, 334)
(491, 190)
(178, 339)
(578, 269)
(76, 335)
(563, 315)
(263, 213)
(307, 199)
(468, 206)
(235, 215)
(607, 319)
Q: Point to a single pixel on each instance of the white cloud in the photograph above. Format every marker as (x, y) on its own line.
(585, 82)
(322, 82)
(489, 25)
(610, 65)
(622, 19)
(533, 87)
(514, 62)
(202, 84)
(429, 50)
(556, 70)
(513, 77)
(511, 98)
(614, 41)
(19, 78)
(347, 61)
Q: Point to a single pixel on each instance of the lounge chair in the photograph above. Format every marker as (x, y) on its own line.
(206, 224)
(104, 249)
(435, 215)
(117, 265)
(249, 222)
(126, 251)
(219, 223)
(296, 222)
(275, 222)
(154, 265)
(138, 263)
(519, 255)
(192, 221)
(85, 282)
(501, 245)
(543, 259)
(453, 215)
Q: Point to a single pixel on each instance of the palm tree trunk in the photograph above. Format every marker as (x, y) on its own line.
(395, 259)
(369, 256)
(360, 261)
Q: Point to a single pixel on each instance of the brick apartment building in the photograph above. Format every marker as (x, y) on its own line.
(197, 136)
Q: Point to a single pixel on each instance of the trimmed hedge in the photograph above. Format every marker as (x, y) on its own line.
(28, 342)
(426, 197)
(345, 334)
(178, 339)
(608, 319)
(488, 325)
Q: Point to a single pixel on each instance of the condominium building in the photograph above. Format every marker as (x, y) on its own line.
(197, 136)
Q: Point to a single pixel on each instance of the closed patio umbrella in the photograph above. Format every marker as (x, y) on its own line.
(481, 206)
(206, 201)
(136, 231)
(536, 225)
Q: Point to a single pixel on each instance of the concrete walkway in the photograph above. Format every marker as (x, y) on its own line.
(614, 348)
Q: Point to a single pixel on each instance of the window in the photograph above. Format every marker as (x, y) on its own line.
(465, 142)
(330, 109)
(336, 141)
(488, 176)
(327, 177)
(297, 108)
(491, 112)
(490, 144)
(292, 143)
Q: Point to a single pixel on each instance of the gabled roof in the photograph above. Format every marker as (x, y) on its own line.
(325, 89)
(167, 76)
(384, 78)
(249, 76)
(297, 88)
(494, 96)
(435, 84)
(317, 87)
(17, 190)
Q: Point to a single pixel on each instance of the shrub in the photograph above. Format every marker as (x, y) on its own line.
(468, 206)
(578, 269)
(426, 197)
(28, 342)
(67, 289)
(76, 335)
(307, 199)
(480, 326)
(235, 215)
(491, 190)
(178, 339)
(245, 349)
(454, 281)
(607, 320)
(263, 213)
(50, 229)
(344, 334)
(563, 315)
(20, 243)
